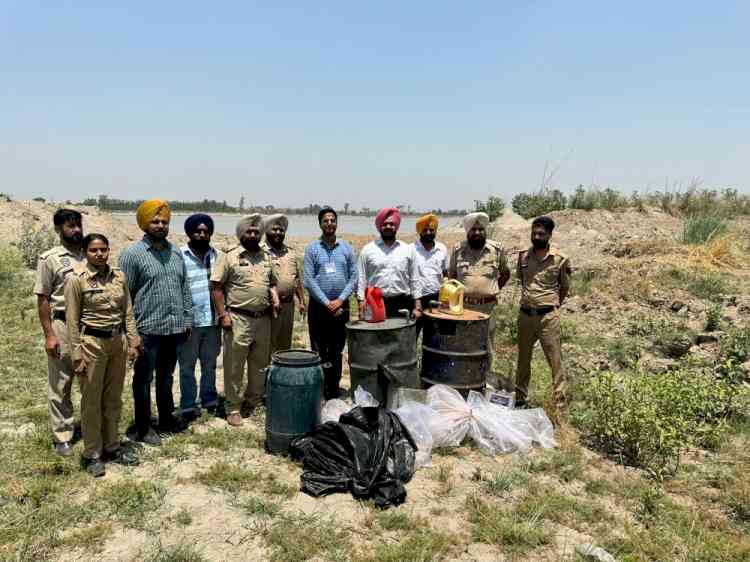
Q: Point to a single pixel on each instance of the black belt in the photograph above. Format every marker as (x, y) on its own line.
(248, 313)
(286, 299)
(480, 300)
(105, 334)
(59, 315)
(541, 311)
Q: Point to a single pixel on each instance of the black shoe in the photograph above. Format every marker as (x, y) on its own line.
(95, 467)
(171, 425)
(64, 449)
(121, 456)
(149, 438)
(190, 416)
(521, 405)
(246, 410)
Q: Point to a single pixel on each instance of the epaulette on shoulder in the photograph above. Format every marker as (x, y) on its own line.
(50, 252)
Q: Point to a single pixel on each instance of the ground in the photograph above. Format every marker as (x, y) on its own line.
(212, 493)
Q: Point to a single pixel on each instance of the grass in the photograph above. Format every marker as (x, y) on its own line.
(176, 553)
(91, 538)
(304, 537)
(492, 524)
(505, 481)
(260, 507)
(565, 463)
(701, 228)
(234, 479)
(131, 501)
(444, 476)
(398, 520)
(420, 545)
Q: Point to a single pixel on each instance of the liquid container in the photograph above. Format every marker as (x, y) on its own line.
(452, 297)
(374, 305)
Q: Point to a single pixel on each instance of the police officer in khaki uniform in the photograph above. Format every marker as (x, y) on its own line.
(482, 266)
(289, 269)
(544, 273)
(102, 335)
(247, 277)
(52, 269)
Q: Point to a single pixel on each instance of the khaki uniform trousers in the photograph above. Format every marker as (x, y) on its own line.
(546, 329)
(249, 347)
(282, 327)
(488, 309)
(59, 386)
(101, 393)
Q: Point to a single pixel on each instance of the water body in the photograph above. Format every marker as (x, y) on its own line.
(299, 225)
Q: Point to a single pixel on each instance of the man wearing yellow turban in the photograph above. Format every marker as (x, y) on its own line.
(163, 308)
(148, 210)
(431, 263)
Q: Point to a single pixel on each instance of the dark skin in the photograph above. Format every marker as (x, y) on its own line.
(201, 234)
(70, 235)
(477, 238)
(540, 238)
(328, 225)
(388, 234)
(250, 240)
(275, 238)
(97, 256)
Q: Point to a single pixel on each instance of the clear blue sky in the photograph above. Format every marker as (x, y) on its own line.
(432, 104)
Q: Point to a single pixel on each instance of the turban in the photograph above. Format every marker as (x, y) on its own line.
(383, 214)
(472, 219)
(250, 220)
(427, 221)
(149, 209)
(194, 221)
(271, 220)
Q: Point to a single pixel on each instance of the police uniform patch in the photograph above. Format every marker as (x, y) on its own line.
(65, 261)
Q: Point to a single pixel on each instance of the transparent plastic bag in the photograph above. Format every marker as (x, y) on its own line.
(364, 398)
(413, 416)
(333, 409)
(535, 424)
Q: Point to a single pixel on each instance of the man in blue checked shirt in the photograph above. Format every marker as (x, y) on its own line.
(330, 269)
(204, 342)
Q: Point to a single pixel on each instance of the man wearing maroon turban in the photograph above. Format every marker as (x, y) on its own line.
(389, 264)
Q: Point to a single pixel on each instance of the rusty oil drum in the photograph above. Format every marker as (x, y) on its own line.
(455, 350)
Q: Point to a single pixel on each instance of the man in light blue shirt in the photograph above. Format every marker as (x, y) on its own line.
(204, 343)
(330, 272)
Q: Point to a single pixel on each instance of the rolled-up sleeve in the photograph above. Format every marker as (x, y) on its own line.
(72, 291)
(565, 274)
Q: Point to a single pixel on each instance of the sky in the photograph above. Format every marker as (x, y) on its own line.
(429, 104)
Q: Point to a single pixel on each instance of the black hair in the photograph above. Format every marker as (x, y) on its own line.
(89, 238)
(325, 210)
(545, 222)
(63, 216)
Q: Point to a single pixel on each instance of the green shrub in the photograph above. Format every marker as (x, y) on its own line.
(494, 207)
(648, 420)
(713, 317)
(34, 241)
(699, 229)
(625, 353)
(735, 350)
(588, 199)
(11, 266)
(530, 205)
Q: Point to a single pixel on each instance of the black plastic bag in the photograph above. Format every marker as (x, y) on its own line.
(368, 452)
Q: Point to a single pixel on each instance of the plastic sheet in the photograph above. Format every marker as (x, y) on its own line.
(368, 452)
(334, 408)
(413, 417)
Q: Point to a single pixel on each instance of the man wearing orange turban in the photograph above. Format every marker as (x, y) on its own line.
(432, 262)
(149, 209)
(163, 309)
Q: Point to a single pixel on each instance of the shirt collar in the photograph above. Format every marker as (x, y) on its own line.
(189, 252)
(92, 272)
(552, 251)
(435, 248)
(326, 246)
(381, 244)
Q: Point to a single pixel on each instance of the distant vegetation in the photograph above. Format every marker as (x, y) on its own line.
(106, 203)
(693, 202)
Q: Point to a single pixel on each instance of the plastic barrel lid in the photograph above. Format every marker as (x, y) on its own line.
(295, 357)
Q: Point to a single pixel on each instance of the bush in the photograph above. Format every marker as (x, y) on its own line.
(699, 229)
(11, 266)
(625, 353)
(34, 241)
(713, 317)
(530, 205)
(588, 199)
(647, 420)
(494, 207)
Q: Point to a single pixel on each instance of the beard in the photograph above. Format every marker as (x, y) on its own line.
(74, 240)
(427, 239)
(251, 245)
(476, 243)
(388, 236)
(200, 245)
(539, 244)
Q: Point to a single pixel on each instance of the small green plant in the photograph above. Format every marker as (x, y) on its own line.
(505, 481)
(495, 525)
(713, 317)
(260, 507)
(177, 553)
(419, 545)
(304, 537)
(494, 207)
(544, 201)
(131, 501)
(649, 504)
(11, 267)
(625, 353)
(34, 241)
(702, 228)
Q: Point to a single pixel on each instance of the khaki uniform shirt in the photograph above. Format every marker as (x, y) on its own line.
(52, 269)
(289, 269)
(246, 278)
(98, 300)
(479, 270)
(541, 280)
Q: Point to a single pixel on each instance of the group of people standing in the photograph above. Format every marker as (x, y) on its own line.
(166, 305)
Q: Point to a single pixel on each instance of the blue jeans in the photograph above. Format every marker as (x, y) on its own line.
(204, 345)
(159, 356)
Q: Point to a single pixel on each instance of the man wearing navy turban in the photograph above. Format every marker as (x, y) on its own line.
(204, 342)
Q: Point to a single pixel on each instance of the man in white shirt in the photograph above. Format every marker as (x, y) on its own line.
(432, 263)
(391, 265)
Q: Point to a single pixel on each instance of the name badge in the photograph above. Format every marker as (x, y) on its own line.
(330, 268)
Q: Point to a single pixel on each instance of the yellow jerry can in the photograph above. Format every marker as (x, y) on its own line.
(452, 297)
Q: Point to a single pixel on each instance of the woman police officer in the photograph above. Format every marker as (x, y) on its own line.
(103, 337)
